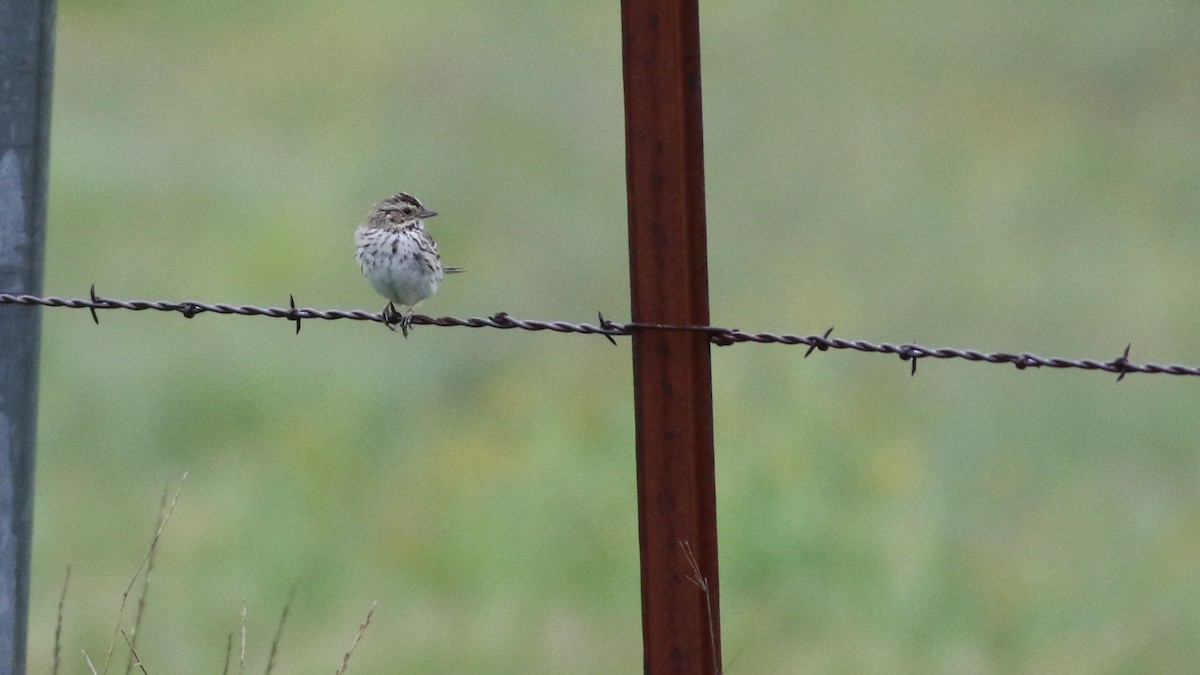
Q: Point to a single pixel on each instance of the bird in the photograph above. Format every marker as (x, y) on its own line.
(398, 257)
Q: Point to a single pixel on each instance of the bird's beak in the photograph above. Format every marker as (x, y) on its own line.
(426, 213)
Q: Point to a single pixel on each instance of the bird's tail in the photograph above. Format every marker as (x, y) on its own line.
(453, 270)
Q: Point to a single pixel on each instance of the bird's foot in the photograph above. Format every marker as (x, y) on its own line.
(392, 317)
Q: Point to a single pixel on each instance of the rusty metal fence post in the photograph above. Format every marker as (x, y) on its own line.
(672, 369)
(26, 52)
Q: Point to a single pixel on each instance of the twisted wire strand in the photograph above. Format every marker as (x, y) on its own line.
(719, 336)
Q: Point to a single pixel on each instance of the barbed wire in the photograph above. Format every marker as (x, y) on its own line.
(719, 336)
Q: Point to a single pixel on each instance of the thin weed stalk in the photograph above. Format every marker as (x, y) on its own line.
(279, 632)
(242, 657)
(134, 658)
(228, 652)
(141, 605)
(362, 628)
(702, 583)
(145, 559)
(62, 599)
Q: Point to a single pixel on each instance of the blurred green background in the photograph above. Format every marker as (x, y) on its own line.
(1018, 176)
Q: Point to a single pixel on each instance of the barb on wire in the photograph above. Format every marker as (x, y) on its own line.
(293, 315)
(611, 329)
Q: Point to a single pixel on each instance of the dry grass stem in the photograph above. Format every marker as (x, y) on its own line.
(242, 657)
(137, 660)
(701, 582)
(141, 605)
(62, 599)
(279, 633)
(361, 629)
(163, 519)
(91, 666)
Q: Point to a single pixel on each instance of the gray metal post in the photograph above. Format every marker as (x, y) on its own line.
(26, 54)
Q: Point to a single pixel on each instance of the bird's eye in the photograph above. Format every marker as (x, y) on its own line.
(408, 210)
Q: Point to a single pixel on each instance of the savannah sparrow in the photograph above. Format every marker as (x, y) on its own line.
(398, 257)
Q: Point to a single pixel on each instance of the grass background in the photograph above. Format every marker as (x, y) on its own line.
(1016, 177)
